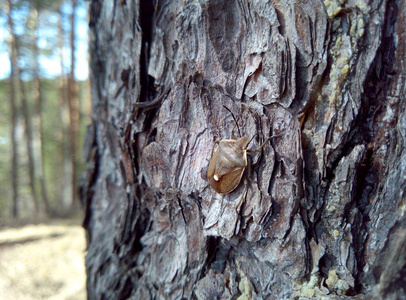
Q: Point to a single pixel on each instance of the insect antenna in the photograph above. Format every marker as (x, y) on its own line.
(235, 120)
(252, 139)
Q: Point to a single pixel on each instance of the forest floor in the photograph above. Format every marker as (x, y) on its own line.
(43, 261)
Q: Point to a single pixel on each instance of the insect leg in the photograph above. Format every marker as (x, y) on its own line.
(243, 195)
(212, 149)
(251, 139)
(260, 147)
(263, 144)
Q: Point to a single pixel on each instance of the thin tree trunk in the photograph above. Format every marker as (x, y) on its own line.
(27, 127)
(65, 193)
(13, 116)
(29, 141)
(321, 211)
(73, 112)
(38, 117)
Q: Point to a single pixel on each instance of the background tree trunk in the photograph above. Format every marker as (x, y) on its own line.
(65, 194)
(73, 106)
(13, 115)
(26, 115)
(38, 113)
(324, 211)
(28, 139)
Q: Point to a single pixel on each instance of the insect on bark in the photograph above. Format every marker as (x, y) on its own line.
(228, 162)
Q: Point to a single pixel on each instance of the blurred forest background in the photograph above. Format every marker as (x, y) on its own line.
(45, 106)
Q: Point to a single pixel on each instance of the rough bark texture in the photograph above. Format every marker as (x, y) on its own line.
(323, 210)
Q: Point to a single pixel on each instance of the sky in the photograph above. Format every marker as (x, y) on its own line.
(50, 63)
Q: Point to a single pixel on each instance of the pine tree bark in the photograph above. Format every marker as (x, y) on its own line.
(13, 117)
(322, 213)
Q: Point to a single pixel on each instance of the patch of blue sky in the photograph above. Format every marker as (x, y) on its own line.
(49, 61)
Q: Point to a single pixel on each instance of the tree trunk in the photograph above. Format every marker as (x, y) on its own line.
(13, 116)
(320, 212)
(73, 106)
(28, 140)
(65, 193)
(38, 116)
(27, 126)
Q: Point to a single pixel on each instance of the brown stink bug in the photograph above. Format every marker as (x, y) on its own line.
(228, 162)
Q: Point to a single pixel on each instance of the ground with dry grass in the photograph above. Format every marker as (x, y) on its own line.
(43, 261)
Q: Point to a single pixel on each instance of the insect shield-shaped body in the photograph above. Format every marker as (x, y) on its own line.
(227, 164)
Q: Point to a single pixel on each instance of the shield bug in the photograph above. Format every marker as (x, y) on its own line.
(228, 162)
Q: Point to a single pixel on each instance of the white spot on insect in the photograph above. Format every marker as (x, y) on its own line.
(216, 177)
